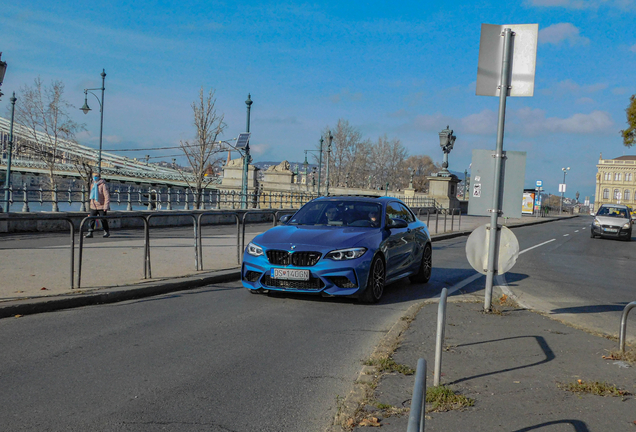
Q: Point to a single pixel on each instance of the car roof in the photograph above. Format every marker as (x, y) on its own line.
(621, 206)
(362, 198)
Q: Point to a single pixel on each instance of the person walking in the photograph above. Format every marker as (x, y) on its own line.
(99, 205)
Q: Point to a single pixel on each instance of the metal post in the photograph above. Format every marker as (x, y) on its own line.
(169, 204)
(246, 157)
(320, 164)
(418, 400)
(101, 126)
(439, 341)
(25, 206)
(492, 247)
(621, 338)
(7, 180)
(54, 206)
(329, 141)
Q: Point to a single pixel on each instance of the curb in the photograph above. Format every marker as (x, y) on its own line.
(113, 295)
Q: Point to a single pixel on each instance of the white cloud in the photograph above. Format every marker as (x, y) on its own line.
(534, 122)
(483, 123)
(584, 100)
(619, 90)
(558, 33)
(571, 87)
(346, 95)
(259, 149)
(431, 123)
(583, 4)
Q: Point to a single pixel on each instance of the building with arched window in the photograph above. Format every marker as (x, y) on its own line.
(616, 181)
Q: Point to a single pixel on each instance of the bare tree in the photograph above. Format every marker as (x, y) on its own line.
(421, 166)
(43, 113)
(200, 151)
(387, 160)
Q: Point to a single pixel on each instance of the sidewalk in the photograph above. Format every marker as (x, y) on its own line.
(512, 366)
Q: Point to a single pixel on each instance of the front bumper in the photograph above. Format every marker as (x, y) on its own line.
(611, 231)
(327, 277)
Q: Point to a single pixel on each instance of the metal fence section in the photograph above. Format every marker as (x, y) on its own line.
(274, 213)
(147, 268)
(418, 400)
(8, 218)
(200, 216)
(195, 226)
(623, 330)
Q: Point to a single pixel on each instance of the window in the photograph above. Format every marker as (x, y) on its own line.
(617, 177)
(396, 210)
(626, 194)
(605, 193)
(617, 194)
(606, 176)
(628, 177)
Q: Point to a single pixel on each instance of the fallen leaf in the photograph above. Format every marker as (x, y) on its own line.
(373, 421)
(580, 381)
(18, 292)
(18, 316)
(43, 288)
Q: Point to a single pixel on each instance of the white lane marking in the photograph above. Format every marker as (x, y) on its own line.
(476, 276)
(576, 231)
(565, 235)
(536, 246)
(583, 228)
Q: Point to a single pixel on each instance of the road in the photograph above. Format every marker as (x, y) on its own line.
(221, 359)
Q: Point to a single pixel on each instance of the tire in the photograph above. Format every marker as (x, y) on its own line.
(426, 266)
(592, 234)
(375, 282)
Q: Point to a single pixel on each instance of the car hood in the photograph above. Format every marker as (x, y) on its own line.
(612, 220)
(313, 236)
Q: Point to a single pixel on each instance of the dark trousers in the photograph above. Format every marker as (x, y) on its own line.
(91, 223)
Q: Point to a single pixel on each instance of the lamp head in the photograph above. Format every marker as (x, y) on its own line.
(85, 107)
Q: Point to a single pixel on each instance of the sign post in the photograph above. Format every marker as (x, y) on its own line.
(515, 76)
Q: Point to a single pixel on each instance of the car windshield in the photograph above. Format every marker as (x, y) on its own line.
(339, 213)
(612, 212)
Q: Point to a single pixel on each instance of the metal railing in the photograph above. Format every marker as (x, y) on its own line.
(200, 216)
(437, 217)
(623, 330)
(7, 217)
(418, 400)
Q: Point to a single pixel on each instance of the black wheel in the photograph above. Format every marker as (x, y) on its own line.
(592, 234)
(426, 266)
(375, 282)
(629, 237)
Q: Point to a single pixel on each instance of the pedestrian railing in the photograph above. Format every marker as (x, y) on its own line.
(9, 217)
(200, 216)
(623, 330)
(444, 215)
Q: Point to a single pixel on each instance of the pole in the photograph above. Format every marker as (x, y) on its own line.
(465, 184)
(492, 247)
(562, 194)
(246, 156)
(330, 139)
(101, 126)
(320, 164)
(7, 181)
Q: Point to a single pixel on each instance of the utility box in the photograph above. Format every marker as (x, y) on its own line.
(513, 171)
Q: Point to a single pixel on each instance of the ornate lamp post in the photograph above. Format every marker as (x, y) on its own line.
(565, 171)
(7, 180)
(329, 141)
(306, 166)
(3, 69)
(86, 109)
(246, 158)
(446, 142)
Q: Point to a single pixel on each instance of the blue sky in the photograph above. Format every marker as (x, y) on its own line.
(404, 69)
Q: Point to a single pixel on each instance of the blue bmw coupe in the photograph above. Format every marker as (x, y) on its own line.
(340, 246)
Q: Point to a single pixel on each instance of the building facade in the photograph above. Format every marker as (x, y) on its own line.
(616, 181)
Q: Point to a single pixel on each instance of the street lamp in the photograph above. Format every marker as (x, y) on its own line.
(86, 109)
(3, 69)
(329, 141)
(446, 142)
(305, 166)
(565, 171)
(7, 179)
(246, 158)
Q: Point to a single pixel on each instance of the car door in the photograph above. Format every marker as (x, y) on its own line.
(399, 244)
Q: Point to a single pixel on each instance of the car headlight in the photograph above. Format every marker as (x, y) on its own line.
(346, 254)
(597, 223)
(254, 250)
(627, 225)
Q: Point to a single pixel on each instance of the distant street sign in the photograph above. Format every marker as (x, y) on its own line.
(539, 183)
(243, 140)
(562, 187)
(524, 59)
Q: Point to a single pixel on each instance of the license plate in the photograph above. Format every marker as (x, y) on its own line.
(610, 230)
(290, 274)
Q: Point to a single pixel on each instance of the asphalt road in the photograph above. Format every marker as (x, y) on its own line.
(221, 359)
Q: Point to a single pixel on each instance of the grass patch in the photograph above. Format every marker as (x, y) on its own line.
(387, 364)
(595, 388)
(628, 356)
(442, 398)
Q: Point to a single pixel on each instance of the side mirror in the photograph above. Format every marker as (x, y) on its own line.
(285, 219)
(398, 223)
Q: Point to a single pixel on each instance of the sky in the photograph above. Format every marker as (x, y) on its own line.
(401, 69)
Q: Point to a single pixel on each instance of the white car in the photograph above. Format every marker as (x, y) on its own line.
(613, 221)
